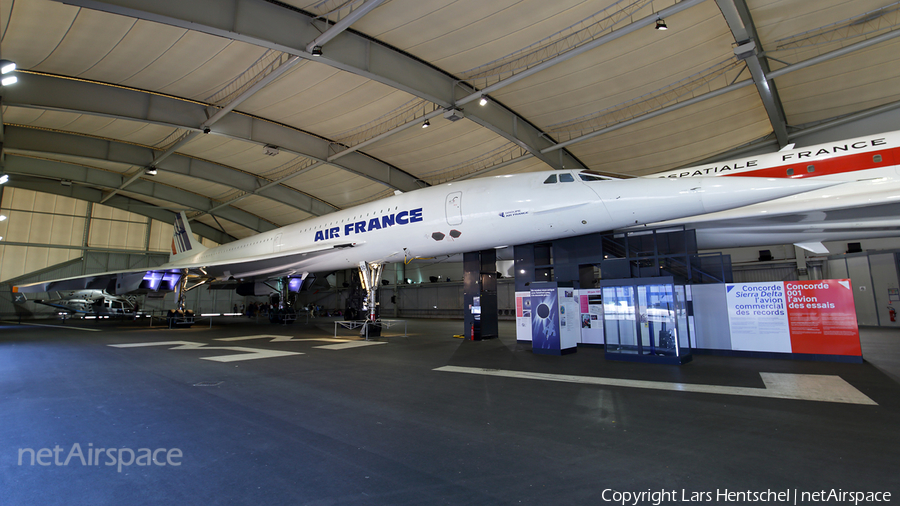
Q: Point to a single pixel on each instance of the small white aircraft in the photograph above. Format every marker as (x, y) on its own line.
(452, 218)
(90, 302)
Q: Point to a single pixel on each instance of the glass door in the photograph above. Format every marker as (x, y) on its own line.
(619, 319)
(646, 320)
(656, 307)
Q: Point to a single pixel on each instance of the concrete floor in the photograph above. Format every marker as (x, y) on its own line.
(378, 425)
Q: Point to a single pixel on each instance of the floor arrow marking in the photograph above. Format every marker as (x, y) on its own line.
(808, 387)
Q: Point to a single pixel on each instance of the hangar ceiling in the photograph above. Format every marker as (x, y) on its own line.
(249, 130)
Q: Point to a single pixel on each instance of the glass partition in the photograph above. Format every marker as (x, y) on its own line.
(656, 304)
(618, 319)
(646, 320)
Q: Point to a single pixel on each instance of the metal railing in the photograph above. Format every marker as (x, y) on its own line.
(355, 324)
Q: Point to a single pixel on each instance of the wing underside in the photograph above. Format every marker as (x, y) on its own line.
(166, 277)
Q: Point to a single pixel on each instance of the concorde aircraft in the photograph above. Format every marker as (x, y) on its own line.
(866, 206)
(452, 218)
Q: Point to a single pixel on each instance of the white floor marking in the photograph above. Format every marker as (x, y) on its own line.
(251, 354)
(243, 353)
(809, 387)
(274, 338)
(283, 339)
(51, 326)
(349, 344)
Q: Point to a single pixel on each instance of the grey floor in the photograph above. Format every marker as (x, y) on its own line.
(378, 425)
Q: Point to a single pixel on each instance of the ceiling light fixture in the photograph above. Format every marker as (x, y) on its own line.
(4, 178)
(151, 171)
(2, 217)
(7, 67)
(483, 101)
(317, 51)
(426, 124)
(661, 24)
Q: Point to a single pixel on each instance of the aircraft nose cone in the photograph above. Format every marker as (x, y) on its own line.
(721, 193)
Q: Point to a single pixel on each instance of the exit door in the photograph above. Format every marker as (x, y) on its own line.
(453, 205)
(277, 245)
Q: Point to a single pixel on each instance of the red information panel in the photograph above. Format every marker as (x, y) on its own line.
(822, 317)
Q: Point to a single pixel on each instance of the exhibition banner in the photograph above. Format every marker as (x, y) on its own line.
(523, 316)
(590, 304)
(814, 317)
(758, 317)
(822, 317)
(544, 319)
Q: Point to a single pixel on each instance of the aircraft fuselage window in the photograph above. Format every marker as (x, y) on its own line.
(810, 168)
(551, 179)
(876, 158)
(566, 178)
(790, 172)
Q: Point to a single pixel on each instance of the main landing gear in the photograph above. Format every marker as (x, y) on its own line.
(181, 318)
(367, 306)
(286, 312)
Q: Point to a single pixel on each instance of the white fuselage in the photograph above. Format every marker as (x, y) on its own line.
(840, 190)
(475, 215)
(865, 206)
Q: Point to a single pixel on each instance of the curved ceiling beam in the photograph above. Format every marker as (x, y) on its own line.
(59, 170)
(739, 20)
(734, 86)
(119, 202)
(275, 26)
(44, 91)
(74, 144)
(343, 24)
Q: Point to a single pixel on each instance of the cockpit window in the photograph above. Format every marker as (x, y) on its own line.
(588, 177)
(550, 180)
(566, 178)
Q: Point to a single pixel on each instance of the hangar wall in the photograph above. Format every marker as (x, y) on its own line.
(440, 299)
(200, 300)
(48, 236)
(42, 230)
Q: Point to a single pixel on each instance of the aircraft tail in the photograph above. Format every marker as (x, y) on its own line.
(184, 244)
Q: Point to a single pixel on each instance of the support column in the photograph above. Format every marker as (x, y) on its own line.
(480, 280)
(800, 255)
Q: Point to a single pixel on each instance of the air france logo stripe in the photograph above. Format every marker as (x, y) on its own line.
(363, 226)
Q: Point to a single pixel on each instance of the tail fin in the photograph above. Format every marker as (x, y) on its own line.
(183, 242)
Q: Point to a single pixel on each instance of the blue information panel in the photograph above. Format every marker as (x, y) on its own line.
(544, 320)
